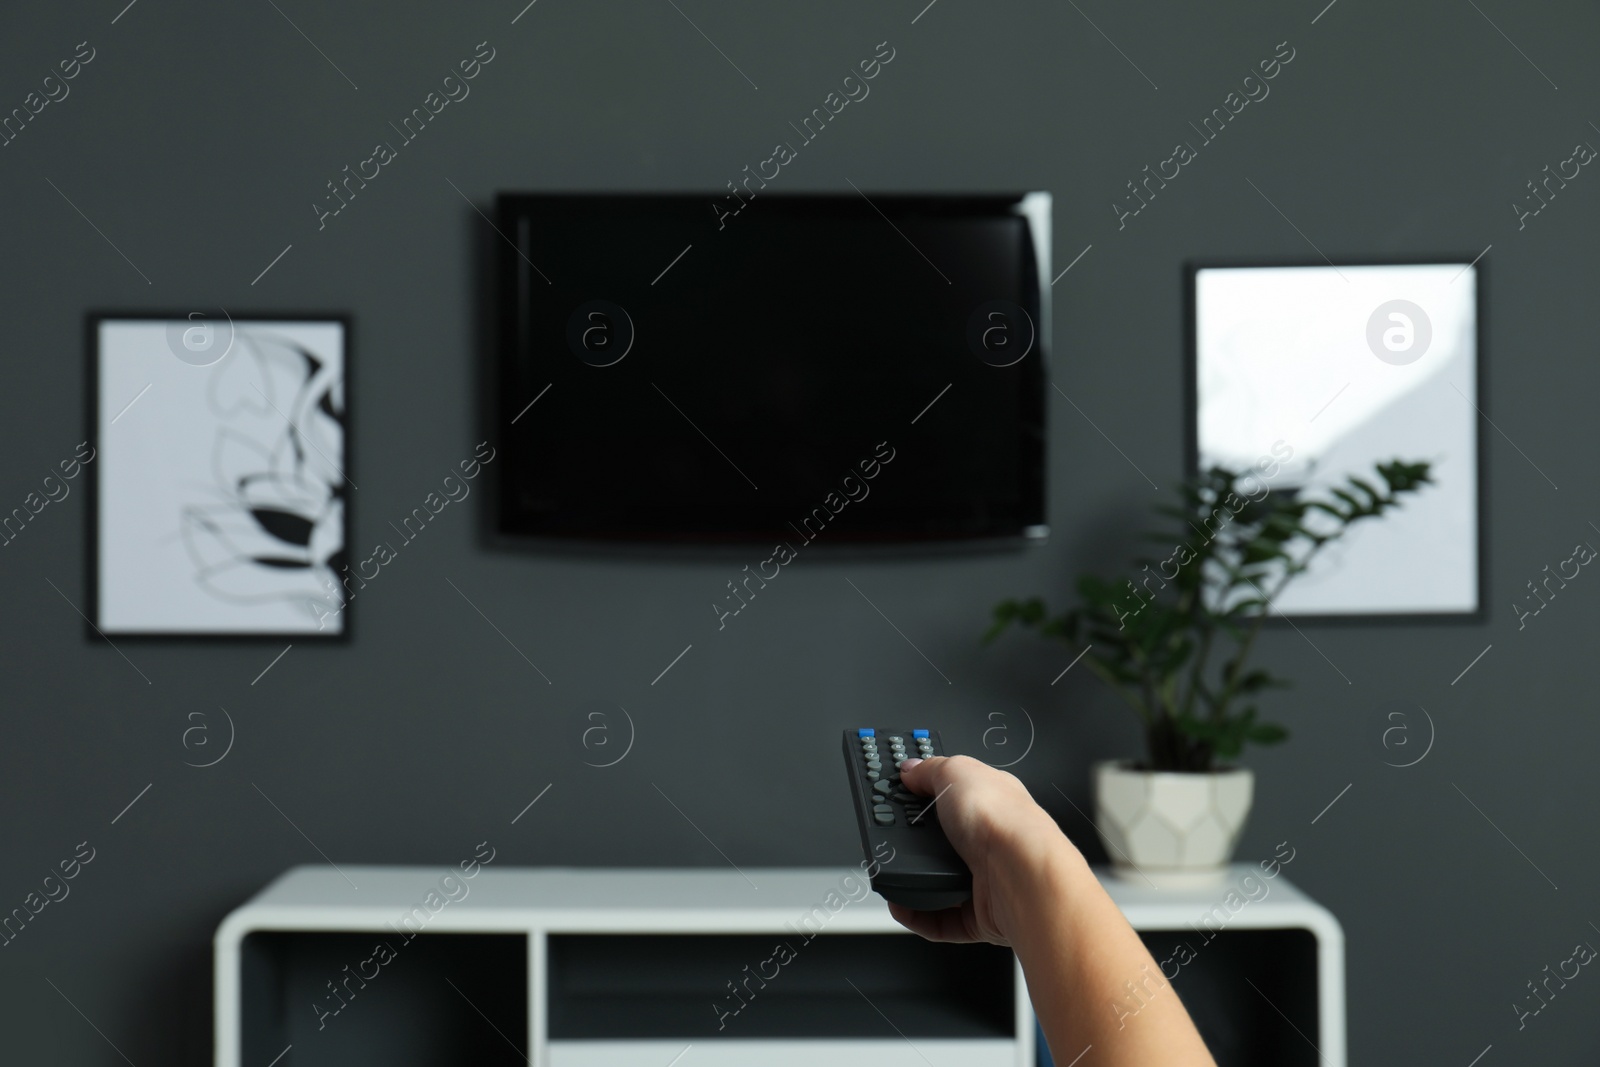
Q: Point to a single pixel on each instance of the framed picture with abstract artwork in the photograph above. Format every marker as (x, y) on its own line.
(1303, 374)
(220, 505)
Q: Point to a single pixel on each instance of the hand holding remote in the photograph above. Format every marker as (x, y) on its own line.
(994, 824)
(1033, 890)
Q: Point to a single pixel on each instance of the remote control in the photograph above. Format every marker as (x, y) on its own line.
(924, 873)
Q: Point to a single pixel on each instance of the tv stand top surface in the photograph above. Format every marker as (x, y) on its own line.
(560, 888)
(755, 898)
(356, 897)
(1243, 897)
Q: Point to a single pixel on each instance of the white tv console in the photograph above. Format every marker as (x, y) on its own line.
(594, 968)
(678, 968)
(1260, 970)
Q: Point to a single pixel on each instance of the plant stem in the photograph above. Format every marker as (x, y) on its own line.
(1110, 679)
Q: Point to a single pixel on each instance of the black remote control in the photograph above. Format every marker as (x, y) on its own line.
(924, 872)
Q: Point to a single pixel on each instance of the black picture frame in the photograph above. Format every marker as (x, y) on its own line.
(93, 320)
(1475, 261)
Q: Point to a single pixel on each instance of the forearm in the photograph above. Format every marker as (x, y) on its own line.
(1092, 981)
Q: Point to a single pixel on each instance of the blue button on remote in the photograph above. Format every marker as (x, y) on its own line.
(919, 733)
(867, 731)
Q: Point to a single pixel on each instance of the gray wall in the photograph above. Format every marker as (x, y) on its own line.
(196, 141)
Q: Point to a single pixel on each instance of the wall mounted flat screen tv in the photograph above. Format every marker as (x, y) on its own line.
(845, 368)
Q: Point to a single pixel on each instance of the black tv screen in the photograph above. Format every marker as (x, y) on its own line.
(839, 368)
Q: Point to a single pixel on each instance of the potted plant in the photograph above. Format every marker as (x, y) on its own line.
(1173, 639)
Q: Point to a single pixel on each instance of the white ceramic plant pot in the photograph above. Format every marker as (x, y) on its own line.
(1170, 828)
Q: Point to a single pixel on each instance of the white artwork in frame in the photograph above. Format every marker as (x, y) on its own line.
(222, 489)
(1346, 367)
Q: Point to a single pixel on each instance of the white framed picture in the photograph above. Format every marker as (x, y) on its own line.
(222, 485)
(1314, 372)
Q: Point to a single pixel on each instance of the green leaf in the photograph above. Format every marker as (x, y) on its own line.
(1198, 729)
(1356, 506)
(1267, 733)
(1376, 496)
(1261, 552)
(1107, 646)
(1257, 680)
(1278, 529)
(1004, 612)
